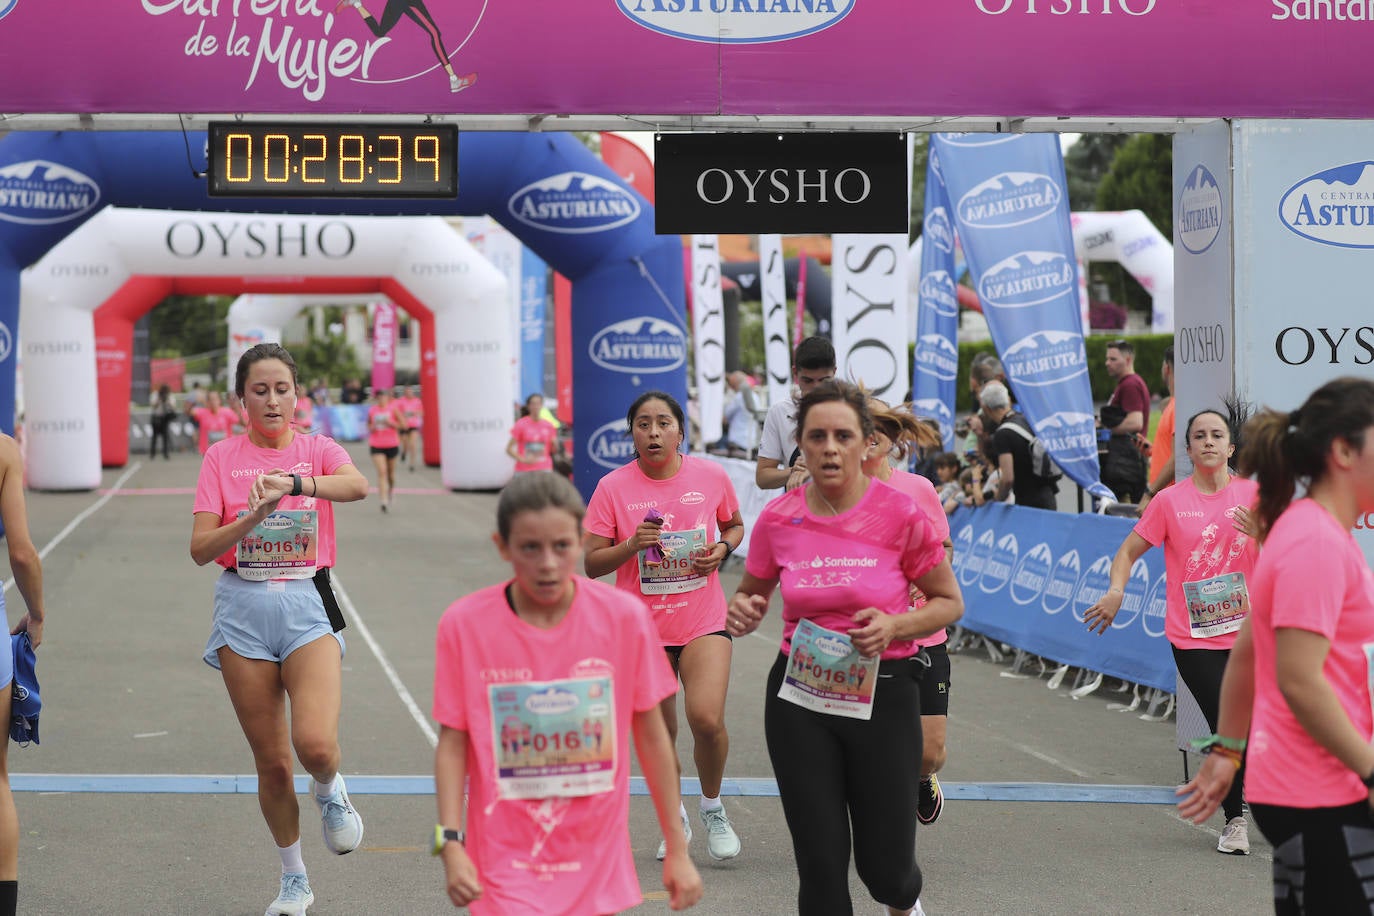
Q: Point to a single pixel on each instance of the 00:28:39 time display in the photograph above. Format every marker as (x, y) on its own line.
(352, 154)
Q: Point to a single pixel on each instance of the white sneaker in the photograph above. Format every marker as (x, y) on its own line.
(295, 896)
(663, 844)
(1235, 838)
(343, 828)
(721, 841)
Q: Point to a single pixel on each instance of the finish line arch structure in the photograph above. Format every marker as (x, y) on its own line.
(95, 284)
(549, 190)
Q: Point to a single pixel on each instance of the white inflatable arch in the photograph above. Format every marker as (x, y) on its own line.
(121, 263)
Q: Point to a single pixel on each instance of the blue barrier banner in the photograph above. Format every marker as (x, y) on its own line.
(342, 422)
(1028, 575)
(534, 292)
(1011, 212)
(935, 368)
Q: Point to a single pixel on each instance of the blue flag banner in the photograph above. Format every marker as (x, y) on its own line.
(936, 365)
(1011, 212)
(1028, 576)
(534, 292)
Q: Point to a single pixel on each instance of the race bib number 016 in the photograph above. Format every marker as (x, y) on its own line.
(281, 546)
(554, 738)
(1218, 605)
(827, 674)
(673, 575)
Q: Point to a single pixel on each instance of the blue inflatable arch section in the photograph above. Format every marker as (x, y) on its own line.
(628, 308)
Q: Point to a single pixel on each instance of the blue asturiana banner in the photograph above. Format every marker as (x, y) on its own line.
(534, 291)
(1028, 575)
(935, 367)
(1011, 211)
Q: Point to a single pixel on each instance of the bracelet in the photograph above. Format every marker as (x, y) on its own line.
(1204, 745)
(295, 485)
(728, 549)
(314, 487)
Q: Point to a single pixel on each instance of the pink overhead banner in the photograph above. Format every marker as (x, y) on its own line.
(1262, 58)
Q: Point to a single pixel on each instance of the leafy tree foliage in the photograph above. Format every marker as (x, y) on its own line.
(187, 325)
(1141, 177)
(327, 356)
(1086, 163)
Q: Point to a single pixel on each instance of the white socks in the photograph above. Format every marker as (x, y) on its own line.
(710, 804)
(322, 791)
(291, 861)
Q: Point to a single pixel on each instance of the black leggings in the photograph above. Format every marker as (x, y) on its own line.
(1201, 670)
(833, 772)
(419, 13)
(1322, 856)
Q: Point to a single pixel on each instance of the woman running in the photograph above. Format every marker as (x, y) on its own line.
(383, 440)
(533, 439)
(1209, 566)
(846, 551)
(550, 633)
(305, 411)
(895, 433)
(1297, 683)
(417, 12)
(664, 523)
(275, 637)
(413, 414)
(214, 421)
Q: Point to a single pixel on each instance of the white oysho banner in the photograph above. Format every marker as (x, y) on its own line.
(773, 290)
(869, 323)
(708, 335)
(61, 418)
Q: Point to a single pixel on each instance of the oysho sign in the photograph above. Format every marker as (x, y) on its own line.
(736, 21)
(1334, 207)
(771, 182)
(39, 193)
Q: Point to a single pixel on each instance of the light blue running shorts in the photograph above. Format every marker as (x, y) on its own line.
(266, 620)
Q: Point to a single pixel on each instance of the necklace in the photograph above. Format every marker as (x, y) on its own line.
(821, 497)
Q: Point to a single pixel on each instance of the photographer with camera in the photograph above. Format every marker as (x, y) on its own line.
(1125, 418)
(1010, 444)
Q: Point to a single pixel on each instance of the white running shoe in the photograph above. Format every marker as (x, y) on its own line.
(721, 841)
(1235, 838)
(295, 896)
(343, 828)
(663, 844)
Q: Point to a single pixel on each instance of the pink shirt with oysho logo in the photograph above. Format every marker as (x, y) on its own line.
(1200, 543)
(555, 854)
(831, 567)
(535, 439)
(923, 491)
(694, 502)
(1311, 576)
(230, 467)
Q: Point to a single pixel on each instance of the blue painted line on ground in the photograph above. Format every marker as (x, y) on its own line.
(196, 784)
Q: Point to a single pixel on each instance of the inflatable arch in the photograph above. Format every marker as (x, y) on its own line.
(548, 189)
(95, 284)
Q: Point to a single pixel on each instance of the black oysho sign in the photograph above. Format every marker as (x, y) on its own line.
(772, 182)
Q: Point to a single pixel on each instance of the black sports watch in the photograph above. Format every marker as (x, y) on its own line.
(445, 835)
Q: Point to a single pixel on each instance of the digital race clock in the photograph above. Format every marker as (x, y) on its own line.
(255, 159)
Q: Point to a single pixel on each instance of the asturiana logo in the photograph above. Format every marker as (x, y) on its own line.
(977, 139)
(1031, 574)
(574, 203)
(736, 21)
(610, 445)
(938, 230)
(637, 345)
(1093, 585)
(1334, 207)
(1010, 199)
(1046, 358)
(997, 570)
(1061, 585)
(937, 410)
(39, 193)
(1069, 435)
(551, 702)
(1028, 278)
(937, 355)
(1156, 607)
(937, 291)
(835, 648)
(1199, 211)
(276, 522)
(1133, 602)
(977, 558)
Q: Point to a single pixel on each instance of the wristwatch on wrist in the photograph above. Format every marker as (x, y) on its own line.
(445, 835)
(729, 549)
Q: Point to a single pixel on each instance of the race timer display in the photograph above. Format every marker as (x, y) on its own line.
(258, 159)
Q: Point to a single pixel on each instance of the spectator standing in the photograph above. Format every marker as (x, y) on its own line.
(779, 461)
(1126, 416)
(1010, 445)
(164, 410)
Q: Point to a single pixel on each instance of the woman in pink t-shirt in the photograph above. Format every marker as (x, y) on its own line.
(1203, 525)
(214, 421)
(895, 432)
(548, 825)
(412, 418)
(533, 440)
(1298, 680)
(305, 411)
(274, 636)
(664, 523)
(846, 551)
(383, 440)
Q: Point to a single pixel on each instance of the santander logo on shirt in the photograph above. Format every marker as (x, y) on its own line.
(820, 562)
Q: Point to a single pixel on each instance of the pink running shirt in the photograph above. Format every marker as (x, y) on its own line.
(1200, 543)
(381, 425)
(534, 439)
(694, 502)
(831, 567)
(215, 425)
(412, 411)
(923, 491)
(305, 414)
(1311, 575)
(564, 855)
(230, 467)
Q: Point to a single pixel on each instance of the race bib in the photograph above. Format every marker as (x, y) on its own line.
(825, 673)
(555, 738)
(673, 574)
(215, 435)
(281, 546)
(1216, 606)
(534, 451)
(379, 422)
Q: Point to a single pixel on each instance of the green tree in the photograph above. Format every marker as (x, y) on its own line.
(1141, 178)
(187, 325)
(327, 356)
(920, 158)
(1086, 163)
